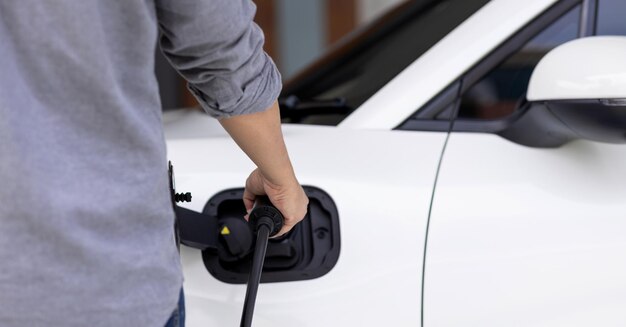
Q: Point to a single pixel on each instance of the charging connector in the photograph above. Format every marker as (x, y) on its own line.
(265, 221)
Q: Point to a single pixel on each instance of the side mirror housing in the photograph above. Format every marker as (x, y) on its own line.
(581, 86)
(591, 68)
(577, 91)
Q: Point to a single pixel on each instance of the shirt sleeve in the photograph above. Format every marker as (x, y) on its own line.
(218, 49)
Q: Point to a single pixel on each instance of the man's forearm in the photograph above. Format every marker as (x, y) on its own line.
(259, 135)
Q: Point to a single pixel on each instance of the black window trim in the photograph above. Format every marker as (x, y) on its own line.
(588, 18)
(425, 122)
(425, 118)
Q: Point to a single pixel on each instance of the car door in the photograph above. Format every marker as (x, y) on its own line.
(521, 235)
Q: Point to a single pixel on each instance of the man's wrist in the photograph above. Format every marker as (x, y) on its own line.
(279, 178)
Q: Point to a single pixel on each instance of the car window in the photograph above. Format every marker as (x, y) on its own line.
(500, 91)
(367, 63)
(610, 18)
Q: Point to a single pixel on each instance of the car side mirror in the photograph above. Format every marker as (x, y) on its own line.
(583, 84)
(576, 91)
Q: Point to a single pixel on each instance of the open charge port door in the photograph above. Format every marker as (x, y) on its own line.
(309, 251)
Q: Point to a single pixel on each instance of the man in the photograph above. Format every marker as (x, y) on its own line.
(86, 221)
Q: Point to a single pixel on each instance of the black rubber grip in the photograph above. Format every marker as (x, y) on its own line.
(264, 212)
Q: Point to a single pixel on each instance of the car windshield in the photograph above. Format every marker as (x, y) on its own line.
(332, 87)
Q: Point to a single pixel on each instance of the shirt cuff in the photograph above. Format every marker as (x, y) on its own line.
(256, 96)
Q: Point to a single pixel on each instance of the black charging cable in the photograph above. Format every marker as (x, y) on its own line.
(266, 221)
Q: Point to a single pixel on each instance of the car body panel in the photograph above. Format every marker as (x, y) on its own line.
(527, 237)
(444, 63)
(518, 236)
(382, 194)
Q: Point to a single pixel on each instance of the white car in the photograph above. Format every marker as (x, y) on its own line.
(445, 191)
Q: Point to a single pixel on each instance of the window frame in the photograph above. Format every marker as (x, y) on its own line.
(588, 18)
(382, 29)
(424, 119)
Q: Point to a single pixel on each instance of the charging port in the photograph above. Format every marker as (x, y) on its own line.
(309, 251)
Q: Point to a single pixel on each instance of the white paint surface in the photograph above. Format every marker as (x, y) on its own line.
(527, 237)
(588, 68)
(381, 182)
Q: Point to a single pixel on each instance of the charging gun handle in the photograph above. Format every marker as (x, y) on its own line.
(266, 221)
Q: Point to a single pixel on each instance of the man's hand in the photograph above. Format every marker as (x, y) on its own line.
(259, 135)
(289, 199)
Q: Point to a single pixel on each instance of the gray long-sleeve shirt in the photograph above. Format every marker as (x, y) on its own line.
(85, 215)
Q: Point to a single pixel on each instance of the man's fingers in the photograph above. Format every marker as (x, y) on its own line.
(288, 224)
(248, 199)
(290, 199)
(284, 231)
(253, 188)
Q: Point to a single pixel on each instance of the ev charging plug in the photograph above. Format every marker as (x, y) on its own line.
(265, 221)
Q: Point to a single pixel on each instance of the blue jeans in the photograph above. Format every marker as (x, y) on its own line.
(178, 316)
